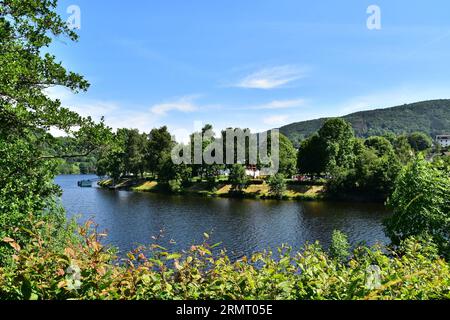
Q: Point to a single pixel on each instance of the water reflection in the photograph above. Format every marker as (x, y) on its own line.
(243, 226)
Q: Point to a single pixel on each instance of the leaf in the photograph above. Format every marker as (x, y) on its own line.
(216, 245)
(26, 289)
(173, 256)
(15, 245)
(8, 240)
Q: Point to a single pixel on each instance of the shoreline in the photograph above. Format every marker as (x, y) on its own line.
(256, 191)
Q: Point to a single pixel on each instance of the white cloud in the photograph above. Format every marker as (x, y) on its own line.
(116, 114)
(184, 104)
(58, 92)
(279, 104)
(273, 77)
(276, 120)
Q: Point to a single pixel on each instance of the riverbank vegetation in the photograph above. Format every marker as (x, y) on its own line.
(253, 189)
(43, 256)
(346, 166)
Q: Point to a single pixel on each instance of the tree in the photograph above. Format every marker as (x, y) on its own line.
(238, 178)
(158, 148)
(338, 138)
(312, 156)
(111, 163)
(421, 205)
(403, 149)
(420, 141)
(174, 176)
(380, 145)
(288, 157)
(28, 152)
(134, 144)
(209, 146)
(277, 185)
(375, 169)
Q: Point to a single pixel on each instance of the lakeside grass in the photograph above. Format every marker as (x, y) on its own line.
(222, 189)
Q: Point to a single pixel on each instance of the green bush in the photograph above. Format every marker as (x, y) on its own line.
(83, 268)
(277, 185)
(421, 205)
(340, 247)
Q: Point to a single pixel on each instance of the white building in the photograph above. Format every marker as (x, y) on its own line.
(252, 171)
(443, 140)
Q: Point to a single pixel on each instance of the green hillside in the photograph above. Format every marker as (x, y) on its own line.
(432, 117)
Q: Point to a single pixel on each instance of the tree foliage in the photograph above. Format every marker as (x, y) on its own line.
(28, 152)
(277, 185)
(238, 177)
(85, 269)
(421, 204)
(431, 117)
(420, 141)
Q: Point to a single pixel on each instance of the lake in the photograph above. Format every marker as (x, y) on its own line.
(242, 225)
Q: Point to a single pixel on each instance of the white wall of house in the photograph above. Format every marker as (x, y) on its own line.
(443, 140)
(253, 173)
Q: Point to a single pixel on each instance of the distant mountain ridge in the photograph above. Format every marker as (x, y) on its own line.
(432, 117)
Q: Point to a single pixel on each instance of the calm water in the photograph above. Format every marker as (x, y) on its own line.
(243, 226)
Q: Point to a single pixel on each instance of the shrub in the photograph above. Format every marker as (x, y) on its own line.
(421, 205)
(277, 185)
(84, 269)
(340, 247)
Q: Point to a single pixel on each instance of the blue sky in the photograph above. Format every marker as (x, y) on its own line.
(256, 64)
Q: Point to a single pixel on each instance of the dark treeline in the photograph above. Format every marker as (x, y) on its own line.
(367, 167)
(149, 155)
(350, 166)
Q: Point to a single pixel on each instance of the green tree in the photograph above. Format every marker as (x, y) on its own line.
(375, 169)
(28, 152)
(174, 176)
(420, 141)
(277, 185)
(421, 205)
(133, 144)
(403, 149)
(238, 178)
(158, 149)
(338, 139)
(288, 156)
(312, 156)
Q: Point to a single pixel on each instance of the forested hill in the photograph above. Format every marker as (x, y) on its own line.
(432, 117)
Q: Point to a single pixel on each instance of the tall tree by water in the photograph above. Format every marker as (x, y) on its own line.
(27, 112)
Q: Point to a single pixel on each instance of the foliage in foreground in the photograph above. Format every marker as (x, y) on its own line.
(421, 204)
(85, 269)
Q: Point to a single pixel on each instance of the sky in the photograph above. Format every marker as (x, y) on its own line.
(251, 64)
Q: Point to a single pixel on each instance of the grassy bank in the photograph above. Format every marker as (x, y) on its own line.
(257, 190)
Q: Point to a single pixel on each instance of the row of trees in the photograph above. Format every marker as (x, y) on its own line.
(141, 154)
(351, 164)
(358, 165)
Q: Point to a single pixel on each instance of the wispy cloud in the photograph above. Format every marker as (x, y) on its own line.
(279, 104)
(271, 78)
(183, 104)
(276, 120)
(116, 114)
